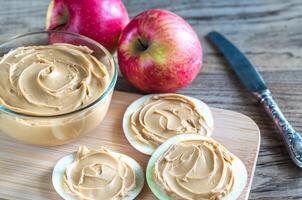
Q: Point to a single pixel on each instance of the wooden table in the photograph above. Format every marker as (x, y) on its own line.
(269, 32)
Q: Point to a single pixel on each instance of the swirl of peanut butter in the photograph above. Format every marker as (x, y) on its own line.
(98, 174)
(51, 80)
(164, 116)
(195, 169)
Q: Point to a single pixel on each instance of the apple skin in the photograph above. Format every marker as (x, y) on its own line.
(159, 51)
(100, 20)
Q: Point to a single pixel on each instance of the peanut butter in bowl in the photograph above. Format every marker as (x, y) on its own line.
(52, 94)
(51, 80)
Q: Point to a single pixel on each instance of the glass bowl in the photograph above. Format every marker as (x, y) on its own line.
(63, 128)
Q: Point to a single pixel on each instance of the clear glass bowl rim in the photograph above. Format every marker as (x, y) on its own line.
(99, 99)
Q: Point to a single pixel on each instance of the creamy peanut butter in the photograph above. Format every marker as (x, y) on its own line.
(51, 80)
(98, 174)
(164, 116)
(195, 169)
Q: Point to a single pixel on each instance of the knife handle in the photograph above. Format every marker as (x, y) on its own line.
(291, 138)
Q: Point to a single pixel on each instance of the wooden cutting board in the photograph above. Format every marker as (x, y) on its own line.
(25, 171)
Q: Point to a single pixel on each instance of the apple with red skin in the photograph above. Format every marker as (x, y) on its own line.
(159, 51)
(101, 20)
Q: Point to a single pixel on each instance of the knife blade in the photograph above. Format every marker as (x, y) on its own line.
(244, 69)
(254, 82)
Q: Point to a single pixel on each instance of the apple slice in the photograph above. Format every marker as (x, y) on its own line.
(59, 171)
(240, 173)
(148, 149)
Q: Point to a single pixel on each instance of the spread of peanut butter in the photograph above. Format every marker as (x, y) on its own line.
(164, 116)
(195, 169)
(98, 174)
(51, 80)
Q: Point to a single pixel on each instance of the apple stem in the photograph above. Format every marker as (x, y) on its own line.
(142, 44)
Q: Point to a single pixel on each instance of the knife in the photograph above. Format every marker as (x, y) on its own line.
(254, 82)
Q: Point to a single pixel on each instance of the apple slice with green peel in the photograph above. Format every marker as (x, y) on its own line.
(60, 167)
(149, 149)
(240, 173)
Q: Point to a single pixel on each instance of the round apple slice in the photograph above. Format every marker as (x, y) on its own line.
(240, 173)
(148, 149)
(60, 167)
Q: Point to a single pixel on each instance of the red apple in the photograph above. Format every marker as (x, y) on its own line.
(159, 51)
(101, 20)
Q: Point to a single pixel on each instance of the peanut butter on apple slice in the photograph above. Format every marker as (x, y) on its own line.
(152, 119)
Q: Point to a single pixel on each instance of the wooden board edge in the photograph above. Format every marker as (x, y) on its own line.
(248, 188)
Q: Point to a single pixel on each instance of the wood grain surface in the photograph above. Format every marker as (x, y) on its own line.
(26, 170)
(268, 31)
